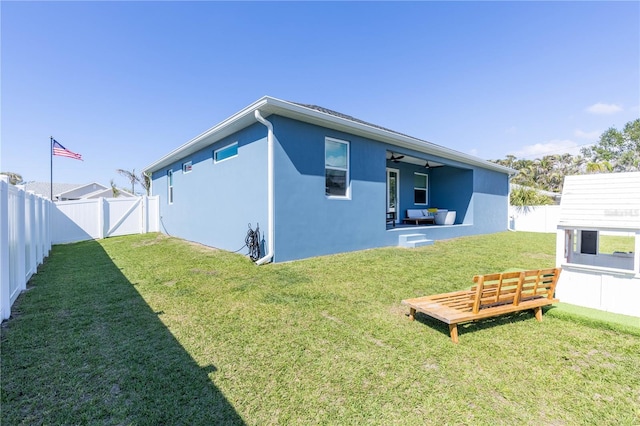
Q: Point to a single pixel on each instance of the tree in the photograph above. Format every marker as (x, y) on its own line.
(131, 176)
(14, 178)
(601, 167)
(523, 197)
(114, 189)
(143, 179)
(621, 149)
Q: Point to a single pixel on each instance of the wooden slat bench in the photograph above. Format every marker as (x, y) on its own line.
(492, 295)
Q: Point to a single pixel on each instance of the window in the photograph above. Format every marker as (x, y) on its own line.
(186, 167)
(420, 185)
(336, 167)
(170, 186)
(589, 242)
(225, 153)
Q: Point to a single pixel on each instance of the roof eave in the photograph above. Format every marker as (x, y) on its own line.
(222, 129)
(268, 105)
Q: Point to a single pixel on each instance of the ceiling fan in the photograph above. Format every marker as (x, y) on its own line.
(396, 159)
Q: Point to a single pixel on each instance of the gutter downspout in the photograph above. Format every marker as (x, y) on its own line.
(270, 191)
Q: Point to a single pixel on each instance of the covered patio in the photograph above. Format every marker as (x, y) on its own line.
(425, 191)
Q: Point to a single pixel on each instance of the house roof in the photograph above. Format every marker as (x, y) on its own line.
(61, 190)
(320, 116)
(601, 201)
(44, 188)
(107, 193)
(84, 189)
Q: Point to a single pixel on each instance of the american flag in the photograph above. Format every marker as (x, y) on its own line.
(64, 152)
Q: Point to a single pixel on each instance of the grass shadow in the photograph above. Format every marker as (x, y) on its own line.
(84, 347)
(482, 324)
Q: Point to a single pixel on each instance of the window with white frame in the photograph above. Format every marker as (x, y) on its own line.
(170, 186)
(186, 167)
(420, 188)
(336, 168)
(225, 153)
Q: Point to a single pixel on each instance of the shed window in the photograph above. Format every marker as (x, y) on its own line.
(589, 242)
(420, 185)
(336, 166)
(225, 153)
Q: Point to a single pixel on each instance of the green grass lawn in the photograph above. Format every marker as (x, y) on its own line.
(152, 330)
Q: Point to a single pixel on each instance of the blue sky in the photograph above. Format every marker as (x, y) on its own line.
(124, 83)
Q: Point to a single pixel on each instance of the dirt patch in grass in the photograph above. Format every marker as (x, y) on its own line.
(150, 242)
(202, 248)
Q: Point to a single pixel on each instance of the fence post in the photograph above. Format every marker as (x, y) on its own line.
(144, 223)
(48, 209)
(20, 241)
(40, 229)
(5, 293)
(101, 215)
(30, 236)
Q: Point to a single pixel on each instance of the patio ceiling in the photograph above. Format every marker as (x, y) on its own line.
(412, 160)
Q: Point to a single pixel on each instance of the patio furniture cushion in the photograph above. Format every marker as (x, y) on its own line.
(418, 216)
(415, 213)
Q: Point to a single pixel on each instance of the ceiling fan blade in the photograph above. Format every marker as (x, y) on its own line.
(394, 158)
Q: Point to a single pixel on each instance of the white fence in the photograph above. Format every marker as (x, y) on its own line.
(25, 240)
(30, 224)
(534, 218)
(97, 218)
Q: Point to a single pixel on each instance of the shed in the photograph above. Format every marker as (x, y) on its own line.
(598, 242)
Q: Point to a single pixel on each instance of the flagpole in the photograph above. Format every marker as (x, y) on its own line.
(51, 167)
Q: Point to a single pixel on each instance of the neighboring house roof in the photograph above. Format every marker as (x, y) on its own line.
(64, 191)
(108, 193)
(322, 117)
(81, 191)
(44, 188)
(601, 201)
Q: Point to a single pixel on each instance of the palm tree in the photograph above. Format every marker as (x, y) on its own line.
(523, 197)
(114, 189)
(131, 176)
(14, 178)
(145, 181)
(599, 167)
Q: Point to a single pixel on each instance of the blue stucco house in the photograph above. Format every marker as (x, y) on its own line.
(320, 182)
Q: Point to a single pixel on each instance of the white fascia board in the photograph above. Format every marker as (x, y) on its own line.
(268, 105)
(302, 113)
(232, 124)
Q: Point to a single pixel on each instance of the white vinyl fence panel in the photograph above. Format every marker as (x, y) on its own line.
(29, 224)
(81, 220)
(25, 240)
(534, 218)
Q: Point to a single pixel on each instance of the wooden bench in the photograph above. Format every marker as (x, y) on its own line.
(493, 294)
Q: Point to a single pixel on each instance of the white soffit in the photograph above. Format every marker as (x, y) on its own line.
(601, 201)
(268, 105)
